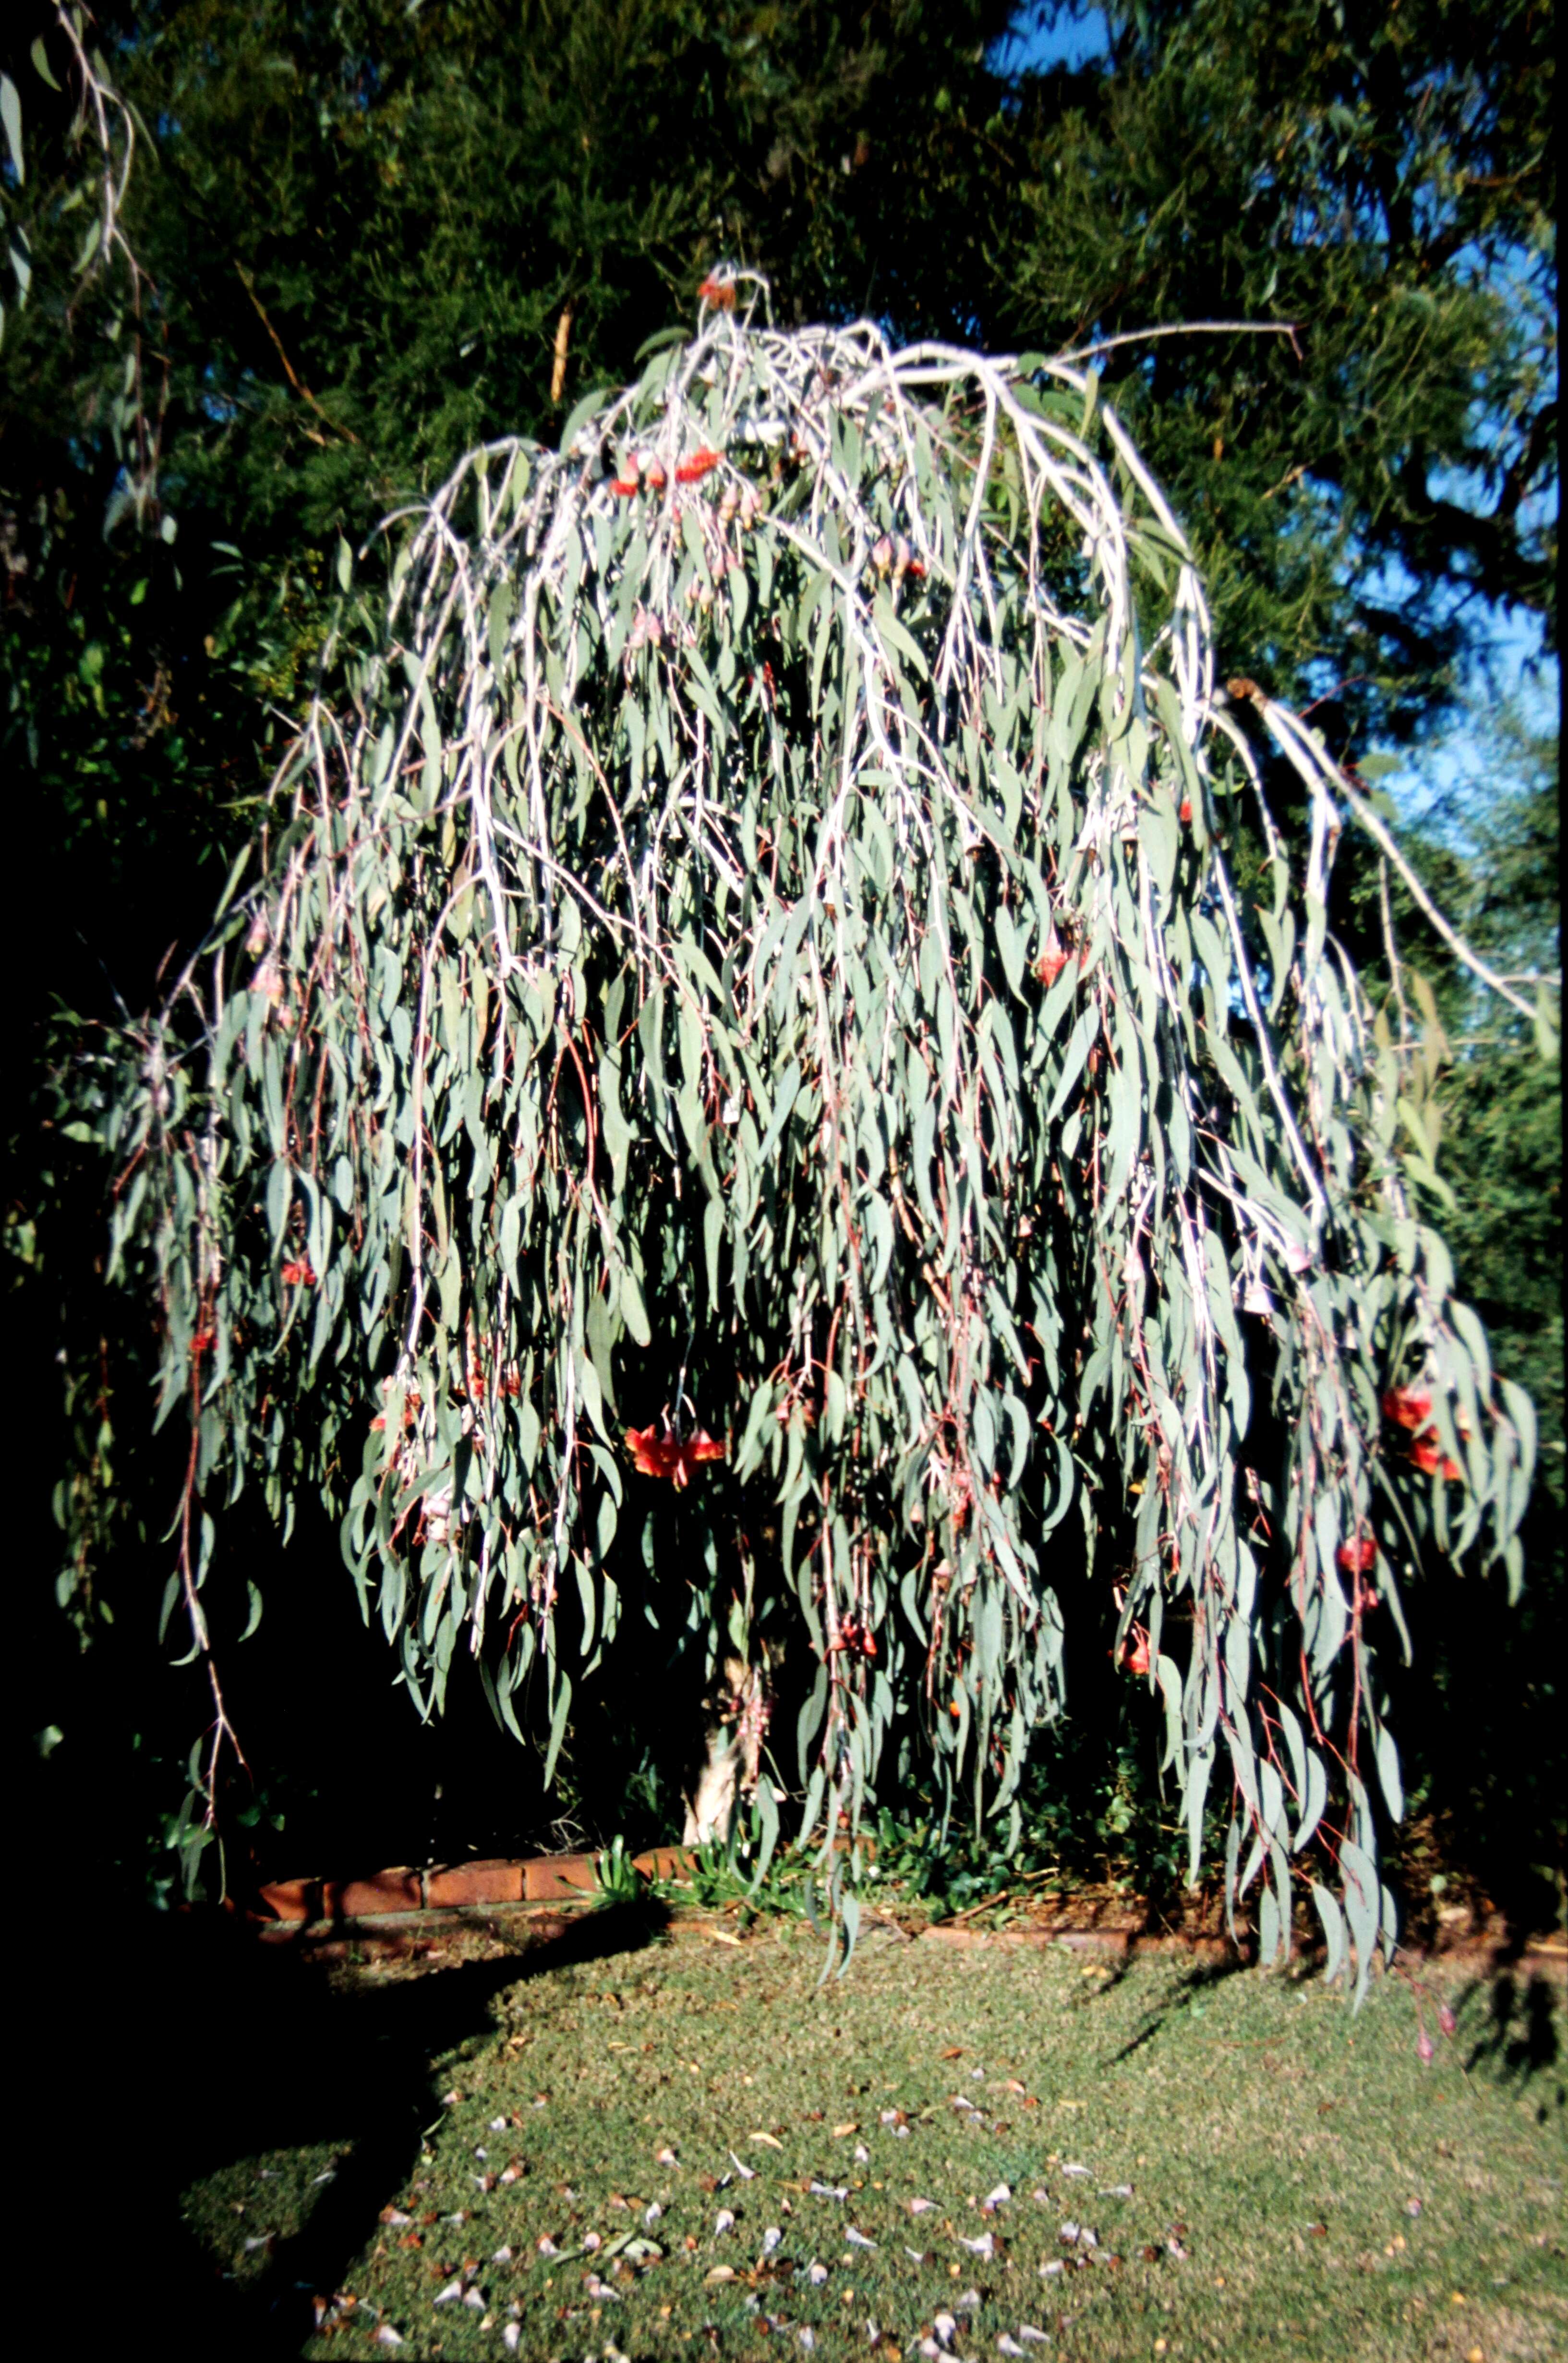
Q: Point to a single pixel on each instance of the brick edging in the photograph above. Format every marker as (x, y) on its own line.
(536, 1878)
(387, 1901)
(1491, 1955)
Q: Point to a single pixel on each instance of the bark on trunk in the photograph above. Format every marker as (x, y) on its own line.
(735, 1718)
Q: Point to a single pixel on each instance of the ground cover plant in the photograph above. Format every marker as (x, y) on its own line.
(693, 2149)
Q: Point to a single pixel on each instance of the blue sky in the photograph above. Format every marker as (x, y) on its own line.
(1073, 43)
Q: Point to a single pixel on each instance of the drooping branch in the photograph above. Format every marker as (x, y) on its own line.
(751, 981)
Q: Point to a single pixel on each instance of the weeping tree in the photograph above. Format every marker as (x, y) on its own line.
(771, 984)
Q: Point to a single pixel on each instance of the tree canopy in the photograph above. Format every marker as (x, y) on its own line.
(746, 971)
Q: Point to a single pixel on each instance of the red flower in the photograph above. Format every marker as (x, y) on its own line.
(653, 1455)
(855, 1637)
(1429, 1459)
(202, 1343)
(652, 471)
(298, 1275)
(1134, 1655)
(702, 463)
(1049, 964)
(507, 1381)
(718, 288)
(650, 1451)
(410, 1408)
(1407, 1407)
(624, 485)
(1185, 812)
(1358, 1558)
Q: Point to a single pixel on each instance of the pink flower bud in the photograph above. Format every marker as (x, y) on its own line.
(1425, 2047)
(1447, 2021)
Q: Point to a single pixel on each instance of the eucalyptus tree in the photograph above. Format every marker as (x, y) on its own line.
(744, 1001)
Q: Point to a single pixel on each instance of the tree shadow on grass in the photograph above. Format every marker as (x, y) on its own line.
(1192, 1984)
(189, 2046)
(1521, 2040)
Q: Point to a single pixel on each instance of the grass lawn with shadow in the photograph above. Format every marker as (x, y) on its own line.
(647, 2143)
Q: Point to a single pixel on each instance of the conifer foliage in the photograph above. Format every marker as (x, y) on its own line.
(744, 991)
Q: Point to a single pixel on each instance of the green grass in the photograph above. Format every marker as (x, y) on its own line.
(1331, 2195)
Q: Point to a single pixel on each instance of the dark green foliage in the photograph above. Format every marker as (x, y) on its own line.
(1381, 179)
(361, 231)
(1498, 1807)
(1501, 1103)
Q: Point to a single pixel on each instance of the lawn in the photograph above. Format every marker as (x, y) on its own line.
(685, 2147)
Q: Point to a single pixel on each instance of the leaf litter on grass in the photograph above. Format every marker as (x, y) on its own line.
(1217, 2142)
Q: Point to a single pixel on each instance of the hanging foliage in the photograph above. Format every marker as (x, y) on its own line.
(88, 170)
(746, 994)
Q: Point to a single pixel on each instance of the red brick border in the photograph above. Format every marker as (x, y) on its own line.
(541, 1879)
(473, 1882)
(1544, 1958)
(387, 1899)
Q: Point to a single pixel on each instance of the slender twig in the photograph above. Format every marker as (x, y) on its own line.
(1462, 951)
(1188, 328)
(300, 387)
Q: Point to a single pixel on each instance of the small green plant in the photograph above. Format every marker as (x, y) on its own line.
(616, 1876)
(713, 1877)
(748, 1869)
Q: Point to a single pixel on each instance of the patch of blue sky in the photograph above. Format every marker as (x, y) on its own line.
(1045, 36)
(1507, 666)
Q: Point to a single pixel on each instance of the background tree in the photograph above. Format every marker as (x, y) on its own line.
(1384, 179)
